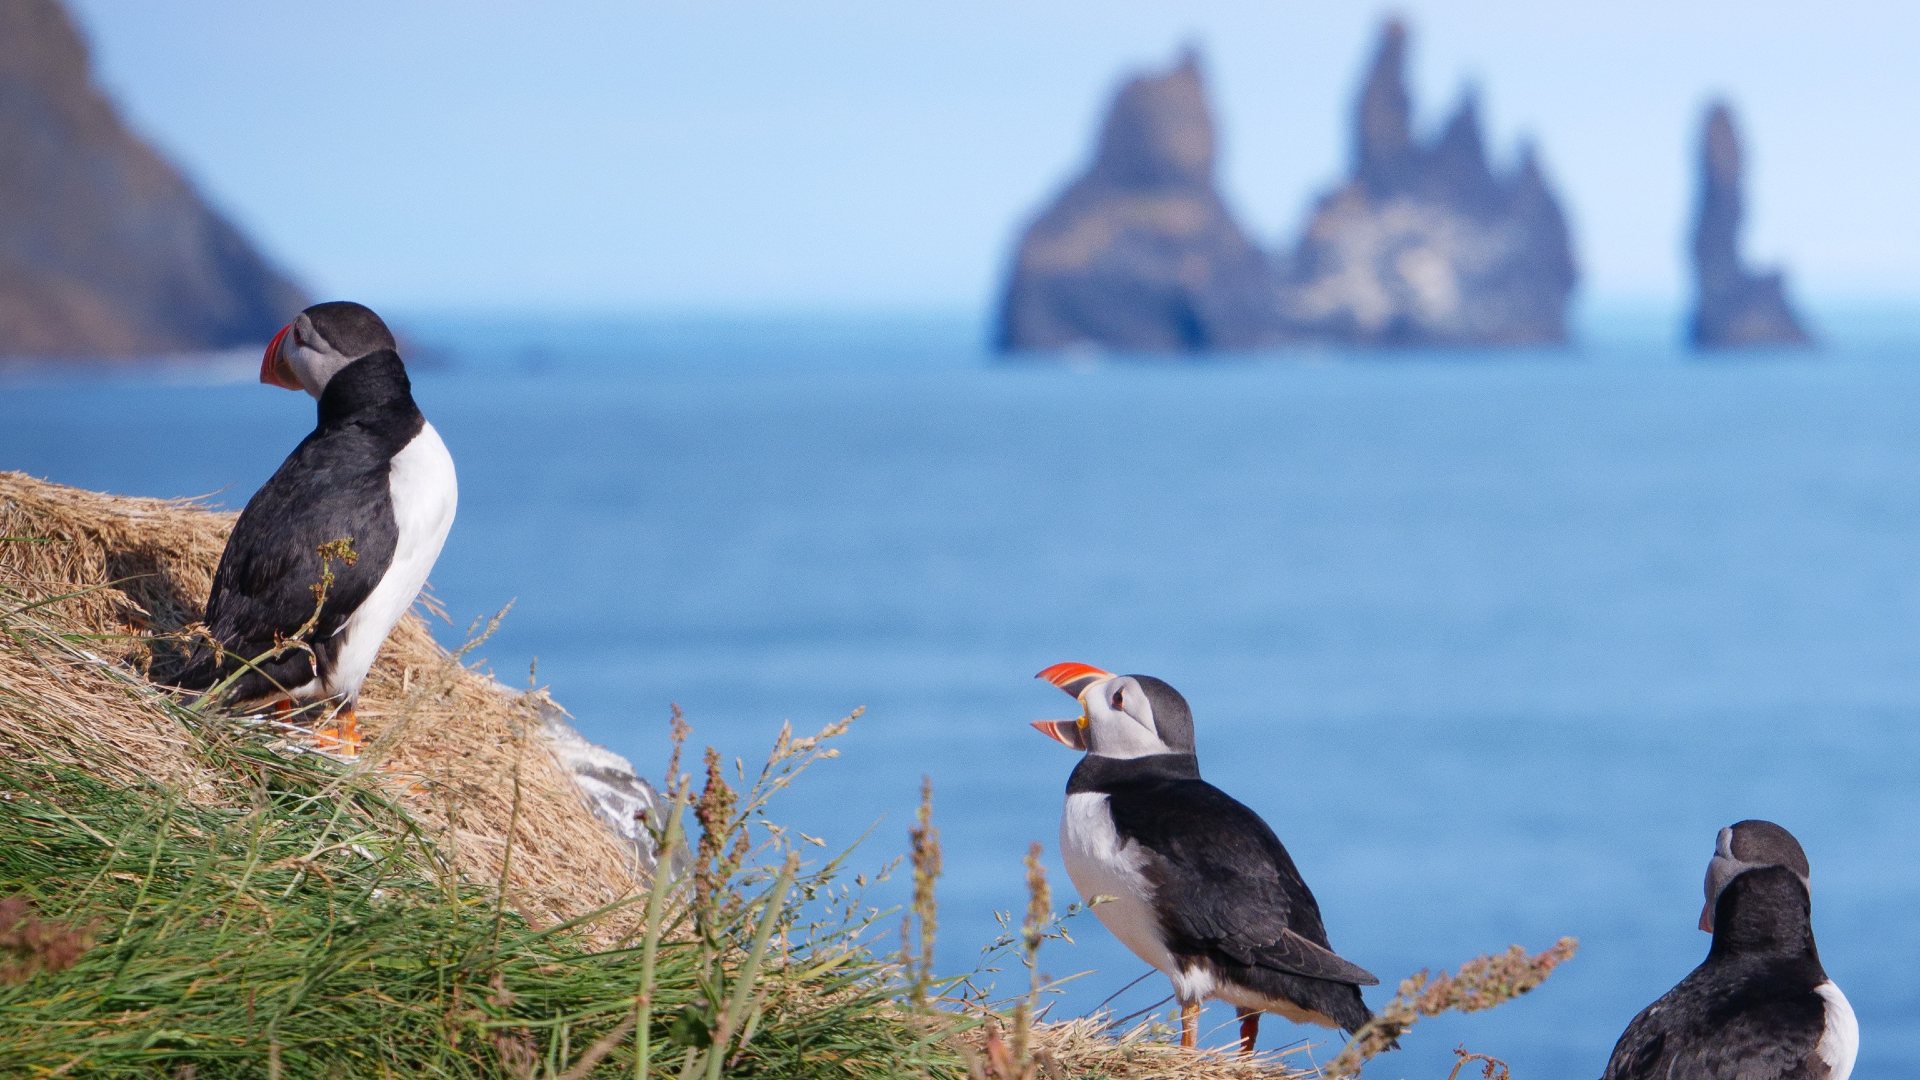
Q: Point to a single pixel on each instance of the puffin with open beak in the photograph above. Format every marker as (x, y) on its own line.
(1760, 1007)
(1193, 882)
(289, 625)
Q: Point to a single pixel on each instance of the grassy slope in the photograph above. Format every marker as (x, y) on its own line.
(287, 918)
(308, 927)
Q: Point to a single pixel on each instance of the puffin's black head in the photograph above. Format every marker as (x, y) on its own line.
(311, 349)
(1763, 909)
(1122, 716)
(1750, 845)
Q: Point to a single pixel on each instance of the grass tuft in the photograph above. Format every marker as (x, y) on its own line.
(1481, 983)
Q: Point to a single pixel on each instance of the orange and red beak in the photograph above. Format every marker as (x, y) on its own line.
(274, 370)
(1074, 679)
(1068, 733)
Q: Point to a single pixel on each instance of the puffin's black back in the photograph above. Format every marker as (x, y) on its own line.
(1226, 892)
(333, 486)
(1750, 1010)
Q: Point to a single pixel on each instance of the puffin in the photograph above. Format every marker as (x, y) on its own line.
(1190, 880)
(366, 501)
(1760, 1007)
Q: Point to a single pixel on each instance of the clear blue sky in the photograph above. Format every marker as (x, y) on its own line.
(754, 154)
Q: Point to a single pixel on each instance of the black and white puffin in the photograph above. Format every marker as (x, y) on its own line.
(373, 473)
(1759, 1007)
(1199, 886)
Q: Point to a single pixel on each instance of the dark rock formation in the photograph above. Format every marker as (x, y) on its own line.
(1140, 252)
(1734, 306)
(1428, 245)
(1424, 244)
(1383, 151)
(105, 250)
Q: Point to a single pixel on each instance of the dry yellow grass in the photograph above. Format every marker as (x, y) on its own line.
(446, 742)
(1086, 1048)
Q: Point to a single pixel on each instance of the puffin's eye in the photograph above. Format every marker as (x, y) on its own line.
(1118, 697)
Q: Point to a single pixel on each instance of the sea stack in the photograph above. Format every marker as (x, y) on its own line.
(105, 249)
(1140, 253)
(1735, 306)
(1428, 244)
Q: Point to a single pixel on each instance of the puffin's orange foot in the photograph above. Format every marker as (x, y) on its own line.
(1189, 1025)
(1249, 1029)
(340, 734)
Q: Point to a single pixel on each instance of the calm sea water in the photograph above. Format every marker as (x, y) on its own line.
(1495, 642)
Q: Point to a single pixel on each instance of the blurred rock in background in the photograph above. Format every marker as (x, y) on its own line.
(1430, 245)
(1140, 251)
(1734, 306)
(1425, 244)
(105, 249)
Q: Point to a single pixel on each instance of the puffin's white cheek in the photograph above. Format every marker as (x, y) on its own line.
(313, 368)
(300, 362)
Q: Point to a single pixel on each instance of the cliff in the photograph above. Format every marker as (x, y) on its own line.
(105, 249)
(1429, 244)
(1734, 306)
(1140, 252)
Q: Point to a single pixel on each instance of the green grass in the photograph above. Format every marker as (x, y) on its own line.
(308, 929)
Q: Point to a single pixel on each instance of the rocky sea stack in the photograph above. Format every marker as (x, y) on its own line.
(1735, 306)
(1424, 244)
(1428, 244)
(1140, 252)
(105, 249)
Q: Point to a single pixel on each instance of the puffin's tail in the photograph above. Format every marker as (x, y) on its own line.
(1359, 1018)
(1343, 1003)
(1329, 1002)
(209, 664)
(201, 670)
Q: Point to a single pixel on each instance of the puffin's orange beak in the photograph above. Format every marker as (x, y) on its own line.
(1069, 733)
(273, 366)
(1072, 677)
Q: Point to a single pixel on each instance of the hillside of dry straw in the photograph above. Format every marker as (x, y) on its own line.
(445, 742)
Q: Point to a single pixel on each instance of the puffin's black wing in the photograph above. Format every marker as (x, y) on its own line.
(334, 486)
(1224, 884)
(1725, 1023)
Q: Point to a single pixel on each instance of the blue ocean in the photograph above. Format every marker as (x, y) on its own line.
(1496, 641)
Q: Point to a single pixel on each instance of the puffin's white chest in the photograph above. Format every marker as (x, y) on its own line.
(1840, 1043)
(424, 491)
(1102, 865)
